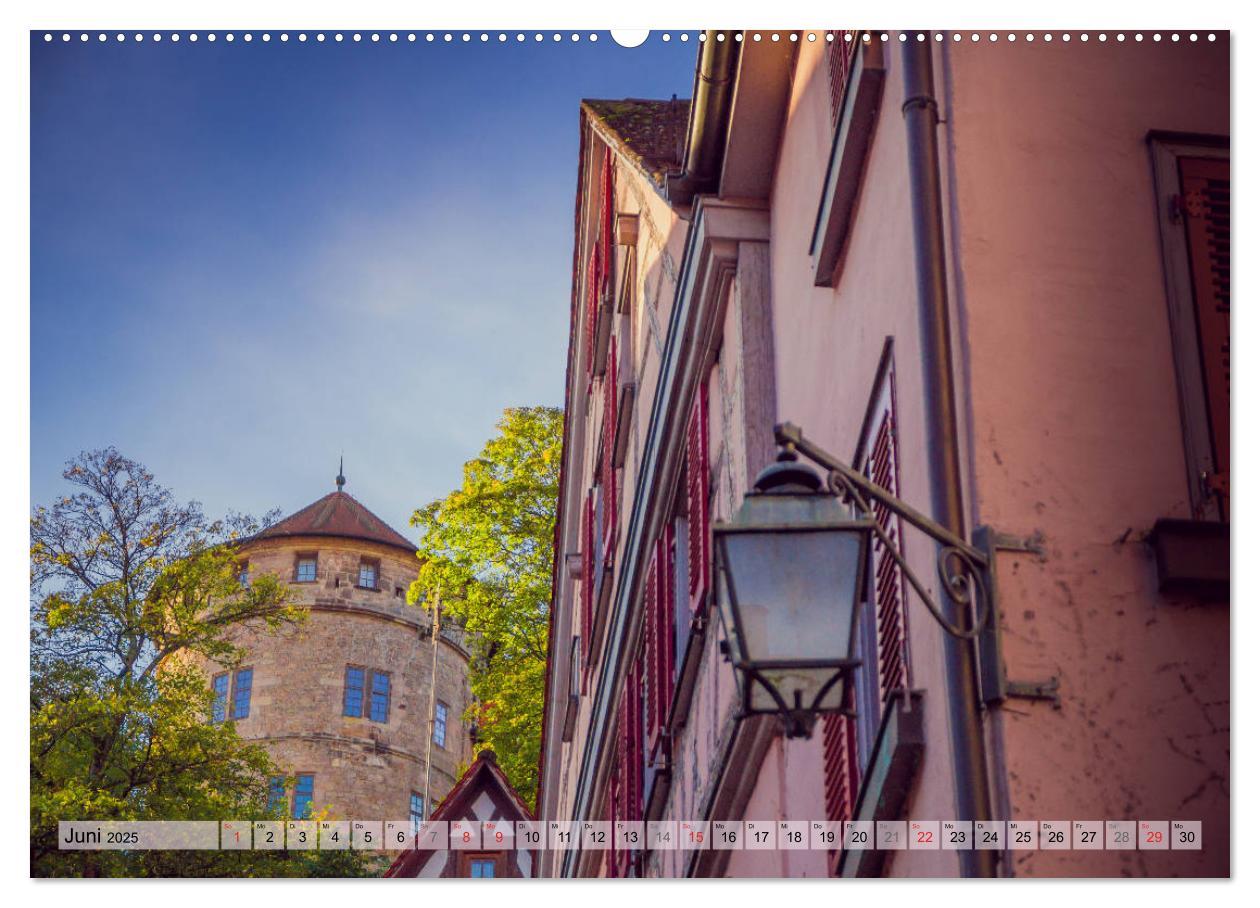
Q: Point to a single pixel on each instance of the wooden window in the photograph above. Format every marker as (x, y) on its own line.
(480, 866)
(242, 572)
(890, 609)
(304, 570)
(352, 701)
(218, 711)
(609, 464)
(367, 692)
(606, 217)
(440, 711)
(855, 78)
(599, 270)
(242, 688)
(1205, 188)
(594, 274)
(378, 706)
(588, 584)
(415, 810)
(369, 570)
(277, 797)
(626, 786)
(882, 643)
(1193, 184)
(304, 796)
(840, 54)
(575, 688)
(698, 529)
(659, 647)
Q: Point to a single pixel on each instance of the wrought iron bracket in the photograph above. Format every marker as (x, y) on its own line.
(964, 568)
(1036, 690)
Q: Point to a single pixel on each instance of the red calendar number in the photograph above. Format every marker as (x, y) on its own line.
(925, 837)
(1154, 837)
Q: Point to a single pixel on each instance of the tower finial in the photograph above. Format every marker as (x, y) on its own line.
(341, 473)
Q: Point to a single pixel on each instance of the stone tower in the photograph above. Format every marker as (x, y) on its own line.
(343, 701)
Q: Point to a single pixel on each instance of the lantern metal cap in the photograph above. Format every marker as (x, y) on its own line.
(788, 476)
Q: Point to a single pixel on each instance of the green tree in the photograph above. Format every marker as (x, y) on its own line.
(126, 583)
(486, 548)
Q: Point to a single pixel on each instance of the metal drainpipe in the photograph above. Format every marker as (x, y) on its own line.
(711, 104)
(966, 733)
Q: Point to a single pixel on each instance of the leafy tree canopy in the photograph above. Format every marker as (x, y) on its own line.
(126, 582)
(486, 549)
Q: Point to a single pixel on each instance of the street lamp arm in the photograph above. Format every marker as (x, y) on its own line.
(960, 565)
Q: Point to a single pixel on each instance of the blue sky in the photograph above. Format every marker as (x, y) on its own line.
(246, 258)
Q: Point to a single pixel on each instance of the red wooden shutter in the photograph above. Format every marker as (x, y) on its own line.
(1205, 188)
(606, 217)
(841, 774)
(612, 856)
(840, 55)
(588, 583)
(651, 631)
(627, 781)
(890, 618)
(634, 742)
(698, 498)
(609, 480)
(659, 646)
(666, 565)
(594, 277)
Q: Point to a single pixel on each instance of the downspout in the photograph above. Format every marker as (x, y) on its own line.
(944, 463)
(706, 125)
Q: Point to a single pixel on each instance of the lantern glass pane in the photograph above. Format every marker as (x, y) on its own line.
(794, 593)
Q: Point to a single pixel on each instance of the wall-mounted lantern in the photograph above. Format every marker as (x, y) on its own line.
(791, 571)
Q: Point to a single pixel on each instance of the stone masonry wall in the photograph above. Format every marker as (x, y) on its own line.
(362, 769)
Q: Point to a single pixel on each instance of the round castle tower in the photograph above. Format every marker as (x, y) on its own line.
(343, 701)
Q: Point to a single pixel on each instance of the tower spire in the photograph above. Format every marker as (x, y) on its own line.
(341, 473)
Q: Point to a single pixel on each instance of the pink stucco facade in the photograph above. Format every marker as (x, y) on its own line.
(1072, 422)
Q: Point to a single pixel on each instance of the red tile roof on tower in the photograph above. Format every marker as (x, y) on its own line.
(338, 514)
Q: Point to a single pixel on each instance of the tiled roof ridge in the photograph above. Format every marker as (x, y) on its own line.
(306, 522)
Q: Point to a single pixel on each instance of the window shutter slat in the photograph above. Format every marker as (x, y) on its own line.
(1205, 189)
(609, 459)
(840, 54)
(840, 766)
(665, 565)
(588, 583)
(698, 498)
(606, 218)
(890, 620)
(651, 631)
(594, 275)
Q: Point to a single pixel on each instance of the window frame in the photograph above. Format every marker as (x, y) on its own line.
(445, 709)
(416, 821)
(371, 692)
(219, 705)
(374, 565)
(299, 559)
(249, 692)
(469, 858)
(1167, 149)
(297, 787)
(346, 688)
(274, 803)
